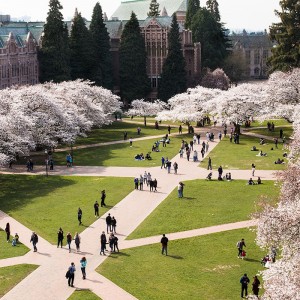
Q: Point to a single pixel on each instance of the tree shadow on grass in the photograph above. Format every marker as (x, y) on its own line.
(175, 256)
(19, 191)
(252, 260)
(116, 254)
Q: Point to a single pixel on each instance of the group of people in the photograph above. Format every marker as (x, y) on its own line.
(145, 179)
(252, 182)
(15, 239)
(244, 281)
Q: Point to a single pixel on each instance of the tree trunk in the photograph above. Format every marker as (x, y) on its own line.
(145, 121)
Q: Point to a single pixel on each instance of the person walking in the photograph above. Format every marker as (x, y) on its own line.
(130, 142)
(220, 171)
(206, 147)
(7, 231)
(175, 166)
(103, 243)
(108, 223)
(180, 129)
(162, 162)
(83, 263)
(141, 182)
(96, 208)
(115, 240)
(240, 246)
(255, 286)
(103, 196)
(111, 242)
(155, 185)
(34, 239)
(79, 215)
(180, 189)
(60, 237)
(169, 129)
(209, 167)
(113, 224)
(77, 240)
(71, 277)
(149, 179)
(69, 241)
(145, 177)
(253, 169)
(244, 282)
(136, 183)
(164, 244)
(188, 153)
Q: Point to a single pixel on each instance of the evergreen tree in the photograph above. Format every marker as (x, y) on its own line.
(154, 9)
(54, 55)
(134, 82)
(286, 54)
(193, 6)
(213, 39)
(213, 7)
(173, 77)
(80, 60)
(101, 72)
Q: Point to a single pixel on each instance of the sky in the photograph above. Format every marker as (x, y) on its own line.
(252, 15)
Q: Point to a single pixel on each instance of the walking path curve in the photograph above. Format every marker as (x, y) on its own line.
(47, 281)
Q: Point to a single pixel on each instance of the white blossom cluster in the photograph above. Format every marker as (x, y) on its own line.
(46, 114)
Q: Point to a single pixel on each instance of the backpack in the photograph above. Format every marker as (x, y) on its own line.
(68, 274)
(238, 244)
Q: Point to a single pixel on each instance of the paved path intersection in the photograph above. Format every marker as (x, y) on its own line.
(48, 281)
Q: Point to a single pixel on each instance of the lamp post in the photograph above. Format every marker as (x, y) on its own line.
(46, 161)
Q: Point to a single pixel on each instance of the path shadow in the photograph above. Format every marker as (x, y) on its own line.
(44, 254)
(117, 254)
(175, 256)
(96, 281)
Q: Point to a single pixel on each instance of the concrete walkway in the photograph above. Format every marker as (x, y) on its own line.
(48, 282)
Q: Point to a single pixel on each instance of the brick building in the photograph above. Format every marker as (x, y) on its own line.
(18, 56)
(256, 49)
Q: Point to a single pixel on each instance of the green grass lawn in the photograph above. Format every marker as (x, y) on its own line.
(205, 203)
(277, 122)
(11, 276)
(115, 132)
(83, 295)
(119, 154)
(287, 131)
(7, 250)
(204, 267)
(45, 204)
(239, 156)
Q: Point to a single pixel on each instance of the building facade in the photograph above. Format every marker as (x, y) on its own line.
(256, 50)
(18, 57)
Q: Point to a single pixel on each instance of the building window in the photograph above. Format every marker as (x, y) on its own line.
(164, 51)
(256, 57)
(154, 82)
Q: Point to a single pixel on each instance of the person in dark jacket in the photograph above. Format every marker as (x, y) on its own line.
(7, 231)
(103, 243)
(60, 237)
(244, 282)
(255, 286)
(96, 208)
(108, 223)
(79, 215)
(164, 244)
(34, 239)
(103, 196)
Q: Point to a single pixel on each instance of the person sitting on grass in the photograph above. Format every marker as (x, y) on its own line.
(279, 161)
(251, 182)
(14, 242)
(228, 176)
(259, 180)
(261, 153)
(17, 238)
(139, 156)
(254, 148)
(208, 177)
(148, 156)
(262, 141)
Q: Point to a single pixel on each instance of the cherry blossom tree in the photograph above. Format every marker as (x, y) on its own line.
(144, 108)
(45, 115)
(190, 106)
(216, 79)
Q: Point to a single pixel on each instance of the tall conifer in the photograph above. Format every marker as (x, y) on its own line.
(173, 77)
(100, 47)
(286, 54)
(154, 9)
(54, 55)
(134, 82)
(80, 60)
(213, 7)
(193, 6)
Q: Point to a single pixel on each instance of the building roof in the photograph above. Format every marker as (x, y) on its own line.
(162, 21)
(18, 33)
(141, 8)
(256, 40)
